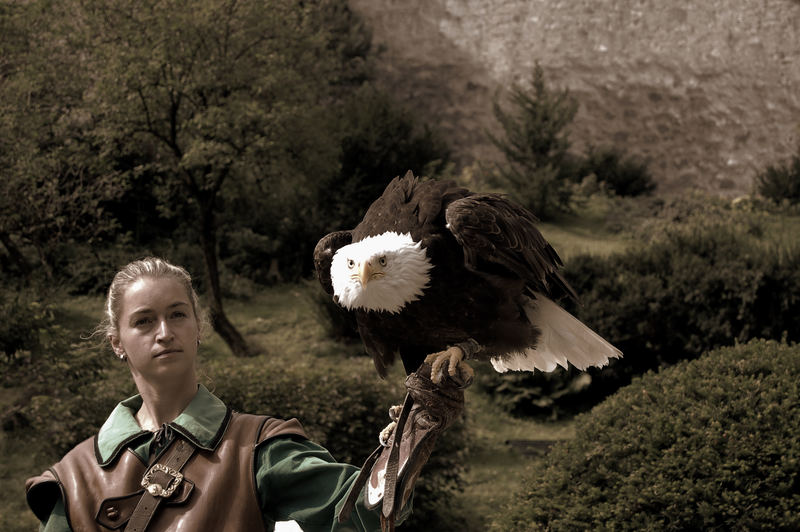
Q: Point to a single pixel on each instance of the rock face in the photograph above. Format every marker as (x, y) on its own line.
(708, 91)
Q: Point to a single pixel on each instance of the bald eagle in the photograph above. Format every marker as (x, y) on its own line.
(434, 271)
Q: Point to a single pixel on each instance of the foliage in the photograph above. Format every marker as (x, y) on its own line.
(695, 287)
(623, 175)
(247, 127)
(380, 140)
(541, 395)
(53, 181)
(535, 143)
(39, 353)
(703, 276)
(707, 444)
(339, 323)
(781, 182)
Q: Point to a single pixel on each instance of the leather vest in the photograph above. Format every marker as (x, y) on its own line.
(218, 491)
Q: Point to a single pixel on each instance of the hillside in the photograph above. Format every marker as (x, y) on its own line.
(708, 91)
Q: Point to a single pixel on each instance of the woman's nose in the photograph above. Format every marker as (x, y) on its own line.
(164, 333)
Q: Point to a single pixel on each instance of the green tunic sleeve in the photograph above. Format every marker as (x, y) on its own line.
(57, 522)
(298, 480)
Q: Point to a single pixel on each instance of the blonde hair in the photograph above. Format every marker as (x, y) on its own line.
(155, 268)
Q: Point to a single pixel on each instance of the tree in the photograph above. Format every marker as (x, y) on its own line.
(781, 182)
(215, 94)
(52, 180)
(380, 140)
(535, 144)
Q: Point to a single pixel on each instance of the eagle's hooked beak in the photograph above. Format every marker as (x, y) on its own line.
(365, 273)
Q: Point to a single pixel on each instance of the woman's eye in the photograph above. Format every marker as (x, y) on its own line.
(178, 314)
(141, 321)
(350, 263)
(382, 261)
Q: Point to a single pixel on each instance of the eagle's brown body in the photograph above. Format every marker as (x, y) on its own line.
(487, 260)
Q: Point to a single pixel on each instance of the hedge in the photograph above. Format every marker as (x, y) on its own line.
(712, 443)
(703, 284)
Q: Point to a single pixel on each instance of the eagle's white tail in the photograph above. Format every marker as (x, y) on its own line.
(564, 339)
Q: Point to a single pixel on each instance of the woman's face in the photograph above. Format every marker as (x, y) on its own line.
(158, 330)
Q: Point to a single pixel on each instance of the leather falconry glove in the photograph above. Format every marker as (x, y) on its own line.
(391, 471)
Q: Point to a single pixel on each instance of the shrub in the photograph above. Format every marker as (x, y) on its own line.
(707, 444)
(379, 141)
(545, 395)
(705, 280)
(339, 323)
(39, 353)
(781, 182)
(64, 416)
(694, 289)
(624, 175)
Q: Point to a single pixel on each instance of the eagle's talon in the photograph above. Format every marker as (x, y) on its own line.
(454, 358)
(394, 412)
(386, 433)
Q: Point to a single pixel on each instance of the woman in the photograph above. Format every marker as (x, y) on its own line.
(214, 469)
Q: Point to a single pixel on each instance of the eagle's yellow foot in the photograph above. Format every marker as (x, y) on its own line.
(454, 358)
(386, 433)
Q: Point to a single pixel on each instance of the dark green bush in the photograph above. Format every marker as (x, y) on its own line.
(710, 444)
(345, 412)
(694, 289)
(49, 372)
(624, 175)
(339, 323)
(704, 280)
(551, 395)
(65, 416)
(781, 182)
(380, 140)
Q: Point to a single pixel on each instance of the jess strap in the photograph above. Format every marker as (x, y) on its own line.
(160, 482)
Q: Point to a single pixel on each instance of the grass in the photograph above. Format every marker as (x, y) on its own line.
(585, 230)
(496, 469)
(21, 456)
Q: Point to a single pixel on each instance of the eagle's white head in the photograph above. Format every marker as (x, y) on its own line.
(383, 272)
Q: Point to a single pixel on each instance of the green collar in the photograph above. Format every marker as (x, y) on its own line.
(203, 423)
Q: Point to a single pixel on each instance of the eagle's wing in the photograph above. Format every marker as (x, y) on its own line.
(492, 230)
(323, 255)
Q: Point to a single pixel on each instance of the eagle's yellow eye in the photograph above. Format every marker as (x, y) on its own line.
(382, 261)
(350, 263)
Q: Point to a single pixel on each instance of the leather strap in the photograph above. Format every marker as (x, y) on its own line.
(174, 458)
(358, 485)
(393, 465)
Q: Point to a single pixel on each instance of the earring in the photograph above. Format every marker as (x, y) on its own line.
(122, 356)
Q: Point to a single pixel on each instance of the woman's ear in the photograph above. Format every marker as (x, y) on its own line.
(116, 345)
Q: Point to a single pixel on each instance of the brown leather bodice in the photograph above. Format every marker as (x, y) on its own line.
(219, 492)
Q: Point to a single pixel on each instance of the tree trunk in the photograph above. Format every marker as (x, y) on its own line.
(15, 255)
(219, 320)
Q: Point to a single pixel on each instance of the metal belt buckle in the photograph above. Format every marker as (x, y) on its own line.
(156, 490)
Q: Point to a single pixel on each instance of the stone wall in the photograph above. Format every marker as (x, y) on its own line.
(708, 91)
